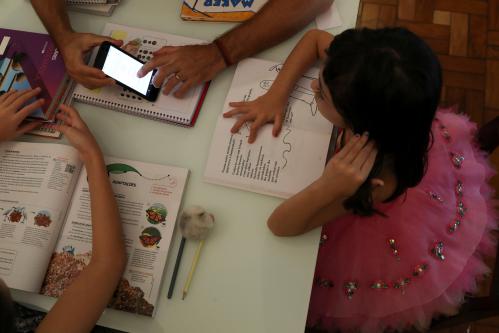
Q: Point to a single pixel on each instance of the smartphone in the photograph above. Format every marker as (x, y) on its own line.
(123, 67)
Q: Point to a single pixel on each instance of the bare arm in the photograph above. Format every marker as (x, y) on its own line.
(54, 16)
(82, 303)
(322, 201)
(271, 106)
(275, 22)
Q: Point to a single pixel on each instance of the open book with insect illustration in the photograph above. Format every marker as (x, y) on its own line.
(45, 221)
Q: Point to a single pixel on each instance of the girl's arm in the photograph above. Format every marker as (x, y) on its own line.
(270, 107)
(322, 201)
(82, 303)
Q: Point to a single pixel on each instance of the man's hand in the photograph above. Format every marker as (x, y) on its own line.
(13, 112)
(73, 48)
(185, 66)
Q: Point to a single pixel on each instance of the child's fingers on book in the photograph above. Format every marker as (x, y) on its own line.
(259, 122)
(28, 109)
(71, 112)
(27, 127)
(7, 94)
(15, 97)
(65, 118)
(240, 122)
(238, 104)
(24, 97)
(234, 112)
(277, 125)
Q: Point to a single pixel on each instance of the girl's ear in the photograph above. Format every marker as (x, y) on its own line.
(376, 182)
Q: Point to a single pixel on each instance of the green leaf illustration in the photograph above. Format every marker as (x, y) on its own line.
(118, 168)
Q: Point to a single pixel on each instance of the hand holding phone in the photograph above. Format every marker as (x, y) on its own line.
(123, 67)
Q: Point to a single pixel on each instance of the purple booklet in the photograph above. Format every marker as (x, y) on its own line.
(30, 60)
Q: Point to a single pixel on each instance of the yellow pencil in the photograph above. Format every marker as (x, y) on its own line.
(193, 268)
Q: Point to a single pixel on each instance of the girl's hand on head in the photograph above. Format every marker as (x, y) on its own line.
(350, 167)
(78, 134)
(264, 109)
(12, 113)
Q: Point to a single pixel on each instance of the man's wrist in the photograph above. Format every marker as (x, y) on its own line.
(224, 53)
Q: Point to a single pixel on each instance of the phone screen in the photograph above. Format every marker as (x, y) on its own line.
(124, 68)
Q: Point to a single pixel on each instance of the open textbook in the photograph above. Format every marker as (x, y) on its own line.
(279, 166)
(45, 221)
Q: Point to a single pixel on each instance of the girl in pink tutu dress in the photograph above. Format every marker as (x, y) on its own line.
(404, 203)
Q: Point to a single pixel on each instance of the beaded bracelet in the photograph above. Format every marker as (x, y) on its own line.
(223, 52)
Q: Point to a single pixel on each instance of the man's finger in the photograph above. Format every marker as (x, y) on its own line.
(170, 85)
(161, 75)
(152, 64)
(90, 83)
(91, 72)
(184, 88)
(165, 50)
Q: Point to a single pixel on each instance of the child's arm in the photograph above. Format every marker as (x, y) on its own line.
(322, 201)
(12, 113)
(82, 303)
(271, 106)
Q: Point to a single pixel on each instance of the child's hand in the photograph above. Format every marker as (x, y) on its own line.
(11, 116)
(349, 168)
(78, 134)
(264, 109)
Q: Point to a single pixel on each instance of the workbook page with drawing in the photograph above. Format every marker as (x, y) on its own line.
(46, 226)
(278, 166)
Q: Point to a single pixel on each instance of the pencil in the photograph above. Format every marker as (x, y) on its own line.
(193, 268)
(175, 270)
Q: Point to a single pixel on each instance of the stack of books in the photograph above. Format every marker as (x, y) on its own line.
(96, 7)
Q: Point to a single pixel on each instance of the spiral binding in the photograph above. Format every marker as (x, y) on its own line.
(133, 110)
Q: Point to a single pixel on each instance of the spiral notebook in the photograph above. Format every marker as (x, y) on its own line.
(142, 43)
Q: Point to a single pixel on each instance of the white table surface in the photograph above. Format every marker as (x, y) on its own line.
(247, 280)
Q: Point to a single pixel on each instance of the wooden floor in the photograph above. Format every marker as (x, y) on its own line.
(465, 36)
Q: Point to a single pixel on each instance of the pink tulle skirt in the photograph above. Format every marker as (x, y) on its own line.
(377, 273)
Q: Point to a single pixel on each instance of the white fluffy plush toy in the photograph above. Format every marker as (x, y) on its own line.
(196, 223)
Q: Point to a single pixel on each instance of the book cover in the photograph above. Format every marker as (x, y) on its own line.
(220, 10)
(30, 60)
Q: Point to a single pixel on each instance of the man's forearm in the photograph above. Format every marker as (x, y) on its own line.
(54, 16)
(274, 23)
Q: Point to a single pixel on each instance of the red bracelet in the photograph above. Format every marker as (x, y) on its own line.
(223, 52)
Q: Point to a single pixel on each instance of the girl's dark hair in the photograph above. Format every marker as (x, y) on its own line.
(386, 82)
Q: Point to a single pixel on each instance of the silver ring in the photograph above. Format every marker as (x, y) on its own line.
(179, 77)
